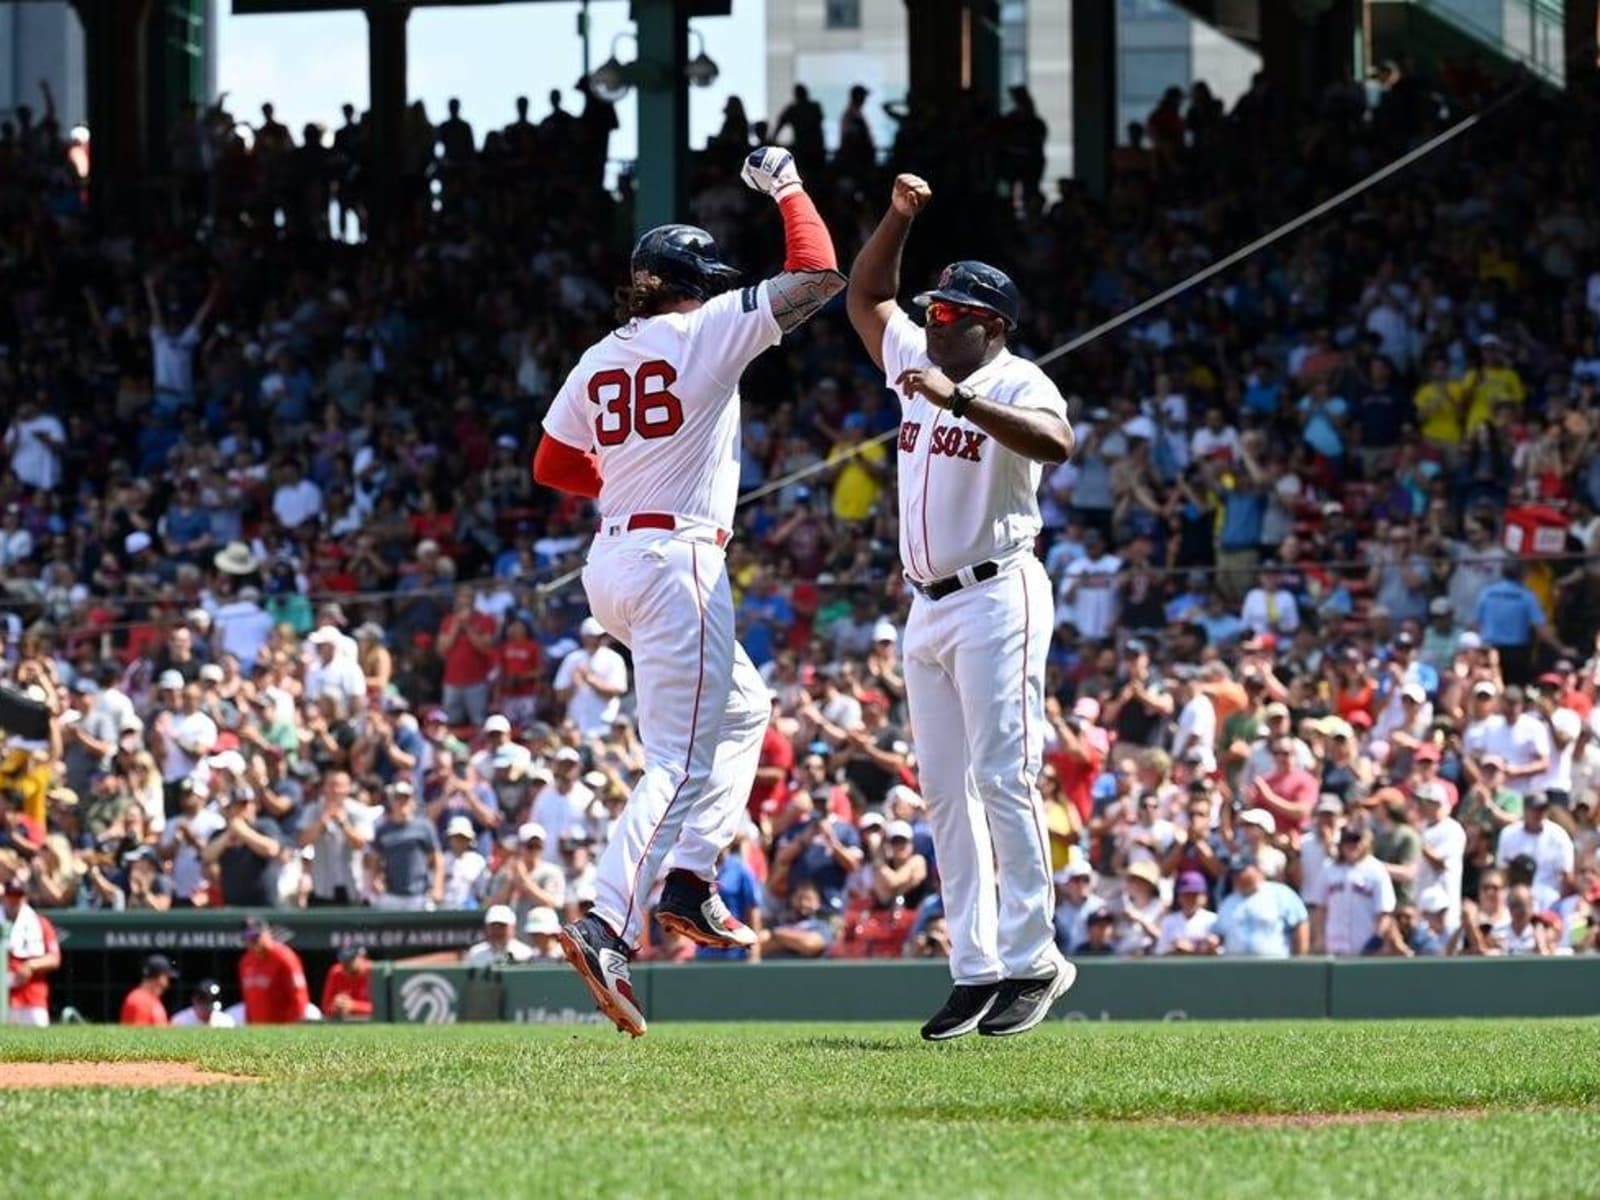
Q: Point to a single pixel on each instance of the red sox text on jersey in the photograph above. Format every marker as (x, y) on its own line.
(951, 440)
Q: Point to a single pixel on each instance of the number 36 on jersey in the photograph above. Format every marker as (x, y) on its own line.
(641, 403)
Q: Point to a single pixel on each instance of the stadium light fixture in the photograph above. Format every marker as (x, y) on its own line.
(702, 69)
(613, 79)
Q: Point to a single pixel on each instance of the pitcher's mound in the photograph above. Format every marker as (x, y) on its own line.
(109, 1074)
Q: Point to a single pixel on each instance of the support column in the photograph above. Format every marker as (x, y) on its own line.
(1094, 94)
(663, 99)
(1303, 54)
(116, 73)
(1582, 39)
(176, 36)
(954, 48)
(386, 67)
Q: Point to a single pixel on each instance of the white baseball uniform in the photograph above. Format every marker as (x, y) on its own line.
(658, 402)
(1353, 897)
(974, 663)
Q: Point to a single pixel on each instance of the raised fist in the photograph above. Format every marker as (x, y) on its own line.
(911, 195)
(771, 170)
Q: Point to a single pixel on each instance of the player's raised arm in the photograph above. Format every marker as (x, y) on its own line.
(875, 275)
(810, 275)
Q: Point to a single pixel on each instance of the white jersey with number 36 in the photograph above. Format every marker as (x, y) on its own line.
(658, 401)
(964, 498)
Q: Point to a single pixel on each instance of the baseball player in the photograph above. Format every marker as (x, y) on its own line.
(648, 423)
(977, 426)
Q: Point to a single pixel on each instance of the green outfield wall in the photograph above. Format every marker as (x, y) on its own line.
(1106, 991)
(102, 953)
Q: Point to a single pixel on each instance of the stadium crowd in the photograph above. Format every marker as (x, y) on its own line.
(273, 562)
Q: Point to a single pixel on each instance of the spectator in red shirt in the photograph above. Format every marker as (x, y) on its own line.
(466, 641)
(429, 524)
(1287, 792)
(1562, 682)
(271, 979)
(33, 954)
(771, 790)
(347, 992)
(1353, 687)
(1080, 751)
(520, 661)
(143, 1006)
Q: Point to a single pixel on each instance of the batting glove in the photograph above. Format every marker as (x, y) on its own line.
(771, 169)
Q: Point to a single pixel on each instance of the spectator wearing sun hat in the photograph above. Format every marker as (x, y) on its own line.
(1140, 909)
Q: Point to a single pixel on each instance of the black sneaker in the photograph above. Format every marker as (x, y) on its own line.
(1023, 1003)
(601, 958)
(967, 1005)
(691, 908)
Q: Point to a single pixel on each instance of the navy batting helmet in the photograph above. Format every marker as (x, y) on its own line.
(686, 258)
(977, 284)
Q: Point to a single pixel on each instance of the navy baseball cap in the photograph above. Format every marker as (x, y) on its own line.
(208, 989)
(159, 964)
(977, 284)
(252, 929)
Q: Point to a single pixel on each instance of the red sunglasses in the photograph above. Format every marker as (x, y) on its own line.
(944, 312)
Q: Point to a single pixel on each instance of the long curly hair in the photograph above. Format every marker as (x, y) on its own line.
(645, 296)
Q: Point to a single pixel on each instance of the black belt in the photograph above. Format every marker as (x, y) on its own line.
(940, 588)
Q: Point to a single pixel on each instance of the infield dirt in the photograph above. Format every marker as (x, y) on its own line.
(109, 1074)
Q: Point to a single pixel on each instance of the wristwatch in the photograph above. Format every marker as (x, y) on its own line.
(962, 398)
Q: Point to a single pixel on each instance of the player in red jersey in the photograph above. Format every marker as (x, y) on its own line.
(271, 979)
(32, 954)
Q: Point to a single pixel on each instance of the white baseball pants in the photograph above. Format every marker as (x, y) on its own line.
(702, 710)
(974, 670)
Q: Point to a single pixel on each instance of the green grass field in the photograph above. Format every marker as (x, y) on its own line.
(1111, 1111)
